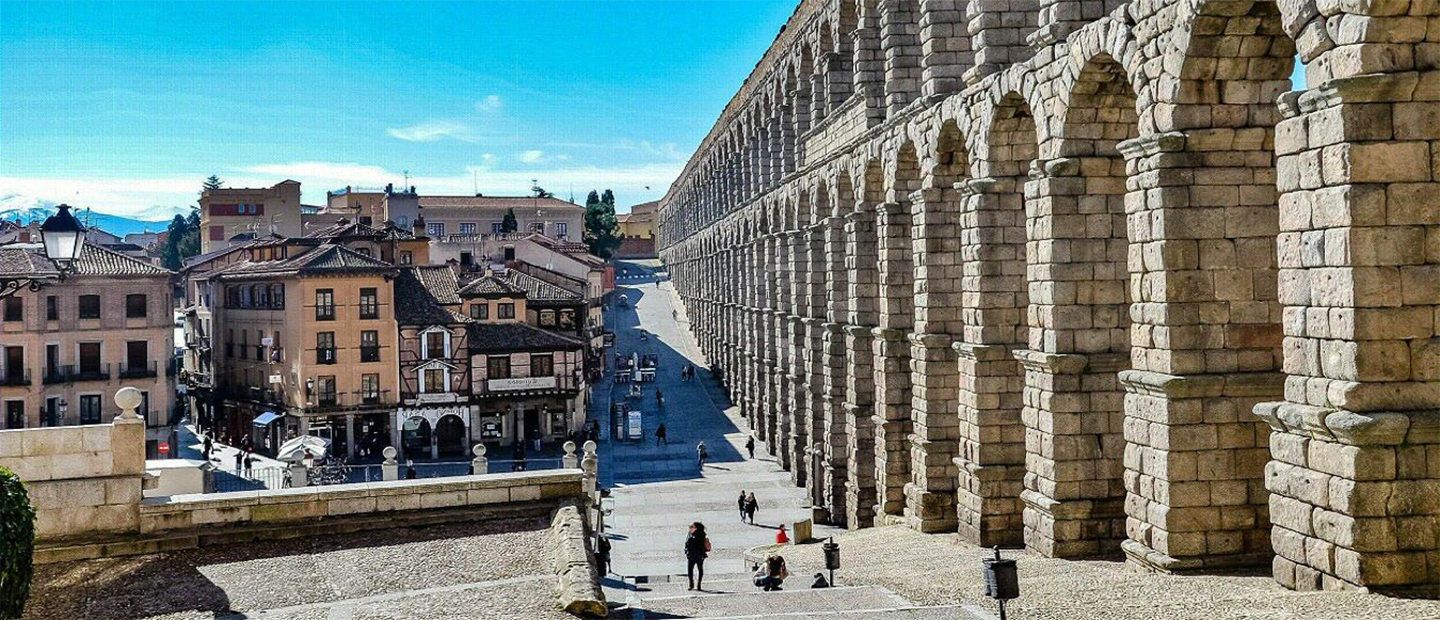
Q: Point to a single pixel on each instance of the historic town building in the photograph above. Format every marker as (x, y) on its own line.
(67, 348)
(1089, 277)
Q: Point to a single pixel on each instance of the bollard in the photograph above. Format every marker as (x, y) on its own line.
(480, 465)
(389, 470)
(832, 557)
(1002, 582)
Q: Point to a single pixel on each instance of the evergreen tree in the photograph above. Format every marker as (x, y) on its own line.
(601, 229)
(593, 198)
(509, 224)
(170, 252)
(213, 182)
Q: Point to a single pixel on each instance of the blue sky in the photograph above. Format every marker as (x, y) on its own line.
(122, 107)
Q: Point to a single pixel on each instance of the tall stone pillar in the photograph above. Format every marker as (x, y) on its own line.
(1073, 404)
(1354, 471)
(1193, 459)
(892, 356)
(862, 277)
(900, 40)
(944, 47)
(998, 32)
(869, 66)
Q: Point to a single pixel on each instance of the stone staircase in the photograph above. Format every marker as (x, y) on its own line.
(735, 597)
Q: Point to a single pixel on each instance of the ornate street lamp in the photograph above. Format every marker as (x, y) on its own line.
(62, 239)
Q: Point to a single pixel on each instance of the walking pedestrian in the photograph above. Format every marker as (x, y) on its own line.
(697, 547)
(742, 503)
(660, 436)
(750, 445)
(239, 462)
(207, 448)
(701, 453)
(409, 471)
(751, 505)
(659, 398)
(249, 463)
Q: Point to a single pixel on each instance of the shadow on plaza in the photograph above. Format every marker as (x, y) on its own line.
(693, 411)
(268, 573)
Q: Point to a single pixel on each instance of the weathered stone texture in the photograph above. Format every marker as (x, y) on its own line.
(1106, 286)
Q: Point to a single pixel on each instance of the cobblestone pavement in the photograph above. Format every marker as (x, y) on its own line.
(455, 571)
(940, 569)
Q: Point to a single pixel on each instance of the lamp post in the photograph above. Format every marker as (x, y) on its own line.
(63, 238)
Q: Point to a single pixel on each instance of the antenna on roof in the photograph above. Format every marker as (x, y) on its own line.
(407, 178)
(475, 181)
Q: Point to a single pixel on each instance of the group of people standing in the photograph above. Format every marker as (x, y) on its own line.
(769, 575)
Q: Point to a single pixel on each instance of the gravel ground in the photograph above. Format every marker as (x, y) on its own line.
(330, 571)
(939, 569)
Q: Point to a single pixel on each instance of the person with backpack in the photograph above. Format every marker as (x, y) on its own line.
(701, 454)
(697, 547)
(751, 505)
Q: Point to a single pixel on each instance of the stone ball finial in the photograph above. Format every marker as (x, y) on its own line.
(129, 399)
(569, 447)
(590, 447)
(389, 453)
(479, 450)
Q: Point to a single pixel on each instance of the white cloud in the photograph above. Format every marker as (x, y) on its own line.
(146, 198)
(433, 130)
(487, 157)
(532, 156)
(490, 103)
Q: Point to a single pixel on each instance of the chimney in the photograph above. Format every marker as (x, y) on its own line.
(419, 227)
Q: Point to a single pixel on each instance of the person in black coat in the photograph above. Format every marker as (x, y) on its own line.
(697, 547)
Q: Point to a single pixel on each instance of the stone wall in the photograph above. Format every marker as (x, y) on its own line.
(1111, 288)
(82, 480)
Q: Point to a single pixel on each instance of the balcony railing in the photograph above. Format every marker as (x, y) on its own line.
(325, 356)
(370, 353)
(346, 401)
(71, 372)
(14, 376)
(251, 394)
(139, 370)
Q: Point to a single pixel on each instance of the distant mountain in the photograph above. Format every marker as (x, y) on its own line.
(16, 207)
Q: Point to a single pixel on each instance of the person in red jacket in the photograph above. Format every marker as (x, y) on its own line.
(780, 537)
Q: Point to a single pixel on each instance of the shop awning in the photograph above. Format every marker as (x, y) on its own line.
(266, 418)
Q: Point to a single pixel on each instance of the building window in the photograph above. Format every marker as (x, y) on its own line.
(137, 357)
(537, 227)
(325, 390)
(136, 306)
(277, 296)
(259, 345)
(217, 233)
(435, 229)
(245, 300)
(324, 304)
(229, 343)
(89, 306)
(244, 345)
(370, 388)
(325, 348)
(434, 381)
(435, 346)
(498, 367)
(369, 346)
(14, 414)
(542, 365)
(406, 257)
(90, 358)
(547, 318)
(363, 251)
(562, 229)
(14, 311)
(52, 308)
(467, 228)
(567, 319)
(480, 311)
(90, 409)
(276, 353)
(497, 228)
(504, 311)
(369, 304)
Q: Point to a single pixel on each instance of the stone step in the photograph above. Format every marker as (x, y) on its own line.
(736, 598)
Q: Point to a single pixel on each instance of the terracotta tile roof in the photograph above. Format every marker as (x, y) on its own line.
(29, 259)
(518, 283)
(422, 294)
(321, 259)
(494, 202)
(503, 337)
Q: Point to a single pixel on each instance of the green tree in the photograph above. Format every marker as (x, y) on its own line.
(213, 182)
(17, 545)
(509, 224)
(593, 198)
(601, 229)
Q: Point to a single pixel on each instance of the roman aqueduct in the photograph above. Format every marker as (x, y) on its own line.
(1089, 277)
